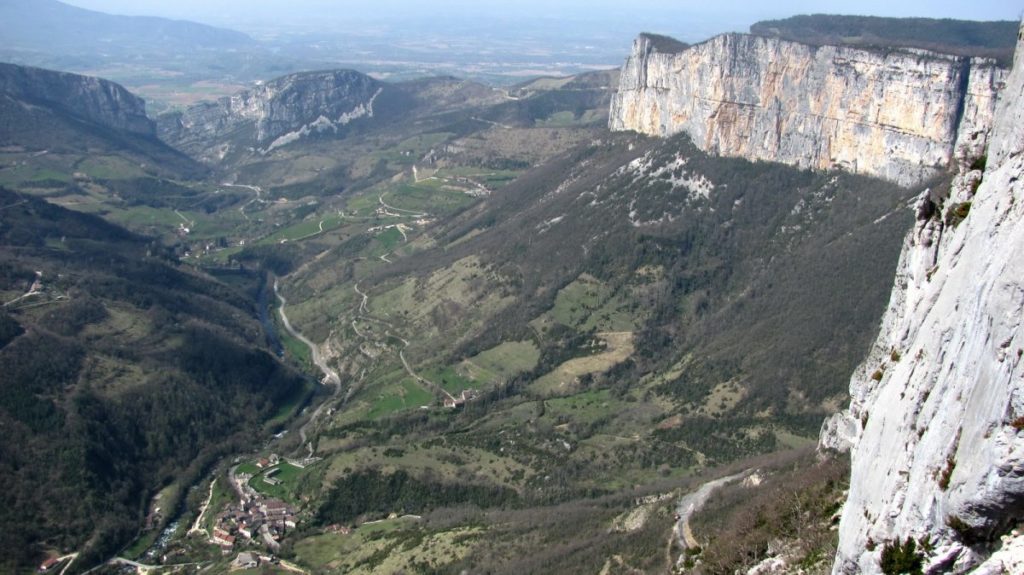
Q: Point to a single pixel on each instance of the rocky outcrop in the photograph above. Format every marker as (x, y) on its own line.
(936, 420)
(99, 101)
(903, 115)
(272, 115)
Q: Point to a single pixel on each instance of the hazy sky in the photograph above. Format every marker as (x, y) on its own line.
(724, 14)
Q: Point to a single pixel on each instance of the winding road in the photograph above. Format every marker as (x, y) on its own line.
(255, 189)
(692, 503)
(330, 376)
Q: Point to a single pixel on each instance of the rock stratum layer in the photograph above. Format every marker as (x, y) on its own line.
(272, 115)
(936, 421)
(903, 115)
(99, 101)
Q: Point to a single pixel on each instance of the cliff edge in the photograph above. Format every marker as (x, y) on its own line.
(936, 421)
(904, 115)
(99, 101)
(272, 115)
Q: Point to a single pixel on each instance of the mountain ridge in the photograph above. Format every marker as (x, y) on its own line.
(50, 26)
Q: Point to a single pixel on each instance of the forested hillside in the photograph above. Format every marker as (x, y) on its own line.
(961, 37)
(122, 371)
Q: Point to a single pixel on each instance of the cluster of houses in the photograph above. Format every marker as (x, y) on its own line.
(257, 519)
(254, 517)
(455, 401)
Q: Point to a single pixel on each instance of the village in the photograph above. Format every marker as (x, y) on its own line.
(255, 521)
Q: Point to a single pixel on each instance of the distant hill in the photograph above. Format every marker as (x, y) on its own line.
(43, 111)
(274, 114)
(961, 37)
(51, 27)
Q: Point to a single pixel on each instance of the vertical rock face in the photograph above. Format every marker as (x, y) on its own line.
(936, 420)
(898, 115)
(273, 114)
(100, 101)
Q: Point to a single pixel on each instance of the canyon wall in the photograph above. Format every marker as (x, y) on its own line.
(272, 114)
(936, 421)
(903, 115)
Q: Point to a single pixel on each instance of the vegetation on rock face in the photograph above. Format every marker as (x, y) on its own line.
(902, 558)
(957, 213)
(960, 37)
(665, 44)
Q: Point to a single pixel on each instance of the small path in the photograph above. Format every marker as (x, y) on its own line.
(202, 511)
(307, 236)
(71, 557)
(18, 203)
(366, 298)
(143, 568)
(292, 567)
(35, 289)
(422, 381)
(191, 223)
(258, 191)
(412, 213)
(417, 179)
(236, 485)
(503, 126)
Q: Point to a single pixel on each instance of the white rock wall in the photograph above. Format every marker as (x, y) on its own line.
(936, 420)
(897, 115)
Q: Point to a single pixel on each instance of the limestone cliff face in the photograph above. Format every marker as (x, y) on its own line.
(272, 115)
(99, 101)
(936, 421)
(900, 115)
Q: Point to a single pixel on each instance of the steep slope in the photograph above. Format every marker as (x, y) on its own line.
(48, 112)
(899, 115)
(273, 114)
(722, 253)
(936, 417)
(123, 372)
(92, 99)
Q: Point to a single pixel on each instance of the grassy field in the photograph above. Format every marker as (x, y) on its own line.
(453, 379)
(389, 546)
(289, 477)
(427, 197)
(390, 238)
(109, 168)
(412, 149)
(588, 303)
(564, 378)
(305, 229)
(509, 358)
(407, 395)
